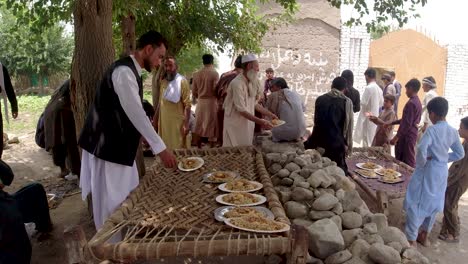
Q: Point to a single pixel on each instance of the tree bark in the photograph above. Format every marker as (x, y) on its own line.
(127, 25)
(93, 54)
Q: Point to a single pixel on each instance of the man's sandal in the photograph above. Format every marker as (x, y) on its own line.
(445, 238)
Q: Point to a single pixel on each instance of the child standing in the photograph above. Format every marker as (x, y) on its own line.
(384, 134)
(426, 189)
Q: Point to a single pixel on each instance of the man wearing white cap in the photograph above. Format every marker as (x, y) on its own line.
(240, 104)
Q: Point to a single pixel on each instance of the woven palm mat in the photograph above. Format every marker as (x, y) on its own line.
(180, 199)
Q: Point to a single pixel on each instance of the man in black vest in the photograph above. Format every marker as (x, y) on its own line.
(113, 127)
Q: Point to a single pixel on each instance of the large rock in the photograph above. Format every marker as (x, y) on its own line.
(327, 181)
(301, 194)
(363, 210)
(344, 183)
(351, 201)
(338, 209)
(355, 260)
(274, 168)
(359, 248)
(269, 146)
(325, 239)
(370, 228)
(337, 220)
(328, 190)
(413, 256)
(383, 254)
(276, 180)
(292, 167)
(305, 185)
(283, 173)
(314, 155)
(301, 161)
(325, 202)
(350, 236)
(302, 222)
(316, 178)
(275, 158)
(315, 166)
(393, 234)
(339, 257)
(380, 220)
(351, 220)
(287, 181)
(326, 161)
(317, 215)
(372, 238)
(340, 194)
(295, 210)
(284, 197)
(396, 246)
(306, 172)
(335, 171)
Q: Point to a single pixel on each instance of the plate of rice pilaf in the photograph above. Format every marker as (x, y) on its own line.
(241, 199)
(257, 224)
(240, 185)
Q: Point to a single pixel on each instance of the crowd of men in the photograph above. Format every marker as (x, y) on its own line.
(228, 109)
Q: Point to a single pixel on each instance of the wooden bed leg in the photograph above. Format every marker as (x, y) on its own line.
(382, 202)
(75, 241)
(299, 245)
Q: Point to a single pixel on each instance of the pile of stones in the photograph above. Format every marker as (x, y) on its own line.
(316, 194)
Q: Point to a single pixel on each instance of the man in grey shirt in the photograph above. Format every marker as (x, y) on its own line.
(287, 105)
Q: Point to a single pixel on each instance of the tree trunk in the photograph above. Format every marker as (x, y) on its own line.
(93, 53)
(127, 25)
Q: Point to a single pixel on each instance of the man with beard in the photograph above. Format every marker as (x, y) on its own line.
(240, 103)
(174, 106)
(113, 128)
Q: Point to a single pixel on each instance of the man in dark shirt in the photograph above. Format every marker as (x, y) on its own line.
(6, 86)
(27, 205)
(333, 124)
(350, 91)
(405, 139)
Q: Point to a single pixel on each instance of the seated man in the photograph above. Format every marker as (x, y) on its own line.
(333, 124)
(287, 105)
(29, 204)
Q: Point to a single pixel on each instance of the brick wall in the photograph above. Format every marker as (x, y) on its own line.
(456, 83)
(354, 55)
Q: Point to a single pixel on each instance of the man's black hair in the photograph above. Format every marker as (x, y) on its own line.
(438, 106)
(413, 84)
(152, 38)
(392, 73)
(349, 76)
(371, 73)
(207, 59)
(280, 82)
(238, 62)
(339, 83)
(464, 121)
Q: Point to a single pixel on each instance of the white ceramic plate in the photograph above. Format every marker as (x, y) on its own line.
(222, 187)
(365, 176)
(200, 164)
(284, 229)
(219, 212)
(207, 180)
(395, 182)
(360, 165)
(379, 172)
(280, 123)
(262, 199)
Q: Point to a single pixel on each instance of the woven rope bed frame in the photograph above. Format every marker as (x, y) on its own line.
(178, 210)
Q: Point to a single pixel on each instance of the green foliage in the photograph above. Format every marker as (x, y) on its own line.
(379, 31)
(30, 109)
(26, 52)
(190, 58)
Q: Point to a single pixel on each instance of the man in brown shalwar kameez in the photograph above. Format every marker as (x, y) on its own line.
(204, 90)
(457, 184)
(384, 134)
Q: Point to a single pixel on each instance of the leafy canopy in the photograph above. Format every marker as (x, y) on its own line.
(25, 51)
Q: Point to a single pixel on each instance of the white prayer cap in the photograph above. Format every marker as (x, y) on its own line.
(249, 58)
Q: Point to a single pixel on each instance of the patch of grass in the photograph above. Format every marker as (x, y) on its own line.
(30, 108)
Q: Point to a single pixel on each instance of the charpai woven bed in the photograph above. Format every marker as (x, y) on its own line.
(378, 191)
(171, 214)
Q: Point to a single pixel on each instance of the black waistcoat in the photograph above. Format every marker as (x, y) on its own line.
(108, 133)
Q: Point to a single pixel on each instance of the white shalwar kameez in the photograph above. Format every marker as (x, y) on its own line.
(371, 102)
(110, 183)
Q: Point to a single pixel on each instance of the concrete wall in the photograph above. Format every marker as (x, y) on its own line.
(456, 83)
(411, 54)
(305, 52)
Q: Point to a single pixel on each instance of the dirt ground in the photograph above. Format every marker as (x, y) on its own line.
(30, 163)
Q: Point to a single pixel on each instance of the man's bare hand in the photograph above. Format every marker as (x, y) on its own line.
(266, 124)
(168, 159)
(394, 141)
(15, 115)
